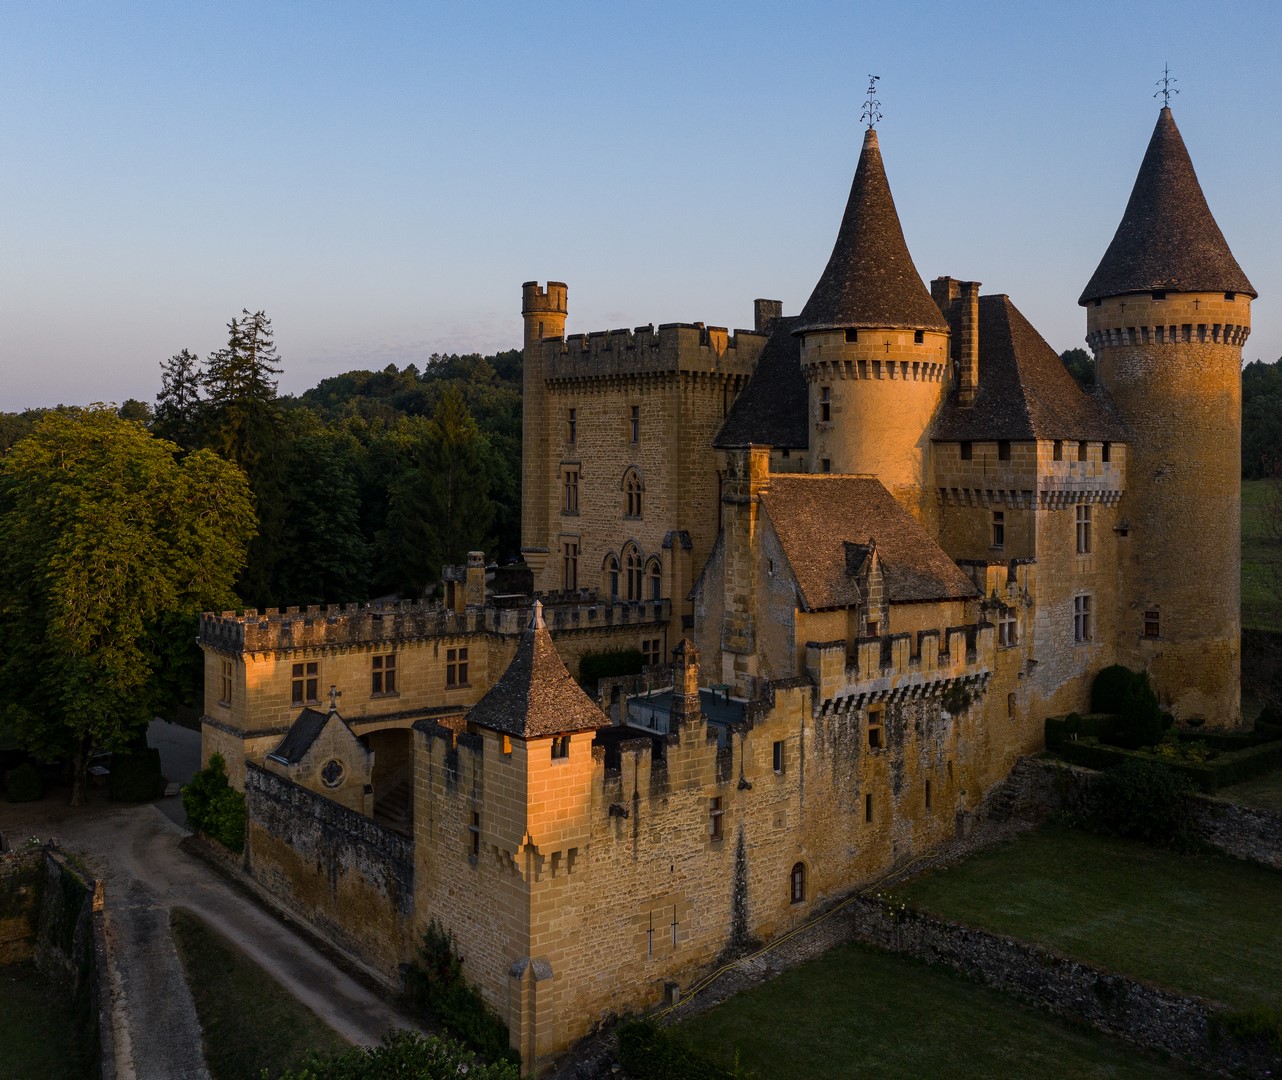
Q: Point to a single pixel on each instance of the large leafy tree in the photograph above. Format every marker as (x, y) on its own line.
(106, 533)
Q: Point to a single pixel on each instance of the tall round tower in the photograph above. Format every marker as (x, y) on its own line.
(874, 347)
(544, 311)
(1167, 313)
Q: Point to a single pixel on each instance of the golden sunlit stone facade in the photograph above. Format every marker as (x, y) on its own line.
(865, 550)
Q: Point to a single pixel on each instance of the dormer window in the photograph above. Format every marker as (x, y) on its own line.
(1158, 294)
(852, 335)
(1230, 296)
(919, 336)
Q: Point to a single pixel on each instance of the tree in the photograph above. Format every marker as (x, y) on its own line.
(178, 406)
(105, 533)
(135, 410)
(1080, 365)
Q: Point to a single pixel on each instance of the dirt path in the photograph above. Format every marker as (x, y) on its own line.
(135, 851)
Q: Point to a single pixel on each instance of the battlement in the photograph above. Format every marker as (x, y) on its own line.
(538, 300)
(349, 625)
(673, 347)
(1169, 318)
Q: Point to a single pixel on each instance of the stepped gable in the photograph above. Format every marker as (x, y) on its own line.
(1025, 391)
(771, 409)
(536, 695)
(817, 515)
(1168, 238)
(298, 740)
(870, 279)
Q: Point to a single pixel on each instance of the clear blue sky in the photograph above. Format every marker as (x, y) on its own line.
(381, 177)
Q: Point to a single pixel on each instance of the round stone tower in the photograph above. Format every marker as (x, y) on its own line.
(1167, 313)
(874, 348)
(544, 311)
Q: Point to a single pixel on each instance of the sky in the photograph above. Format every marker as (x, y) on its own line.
(381, 177)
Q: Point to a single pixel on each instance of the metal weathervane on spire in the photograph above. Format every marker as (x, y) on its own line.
(872, 107)
(1166, 88)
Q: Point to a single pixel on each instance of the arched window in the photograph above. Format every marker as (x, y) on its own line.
(653, 579)
(632, 568)
(798, 883)
(632, 489)
(611, 576)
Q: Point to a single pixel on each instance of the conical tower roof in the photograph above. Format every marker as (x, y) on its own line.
(536, 696)
(870, 279)
(1168, 238)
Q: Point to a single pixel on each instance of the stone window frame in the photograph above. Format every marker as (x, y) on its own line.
(716, 820)
(779, 755)
(634, 424)
(868, 808)
(1057, 450)
(456, 667)
(965, 450)
(825, 404)
(1152, 624)
(570, 563)
(1083, 619)
(876, 727)
(332, 773)
(633, 570)
(474, 838)
(998, 537)
(610, 575)
(1003, 449)
(1007, 628)
(633, 487)
(304, 683)
(383, 675)
(570, 476)
(560, 747)
(1083, 521)
(571, 426)
(797, 883)
(652, 651)
(653, 579)
(226, 683)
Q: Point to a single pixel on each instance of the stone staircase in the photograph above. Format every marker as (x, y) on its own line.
(392, 807)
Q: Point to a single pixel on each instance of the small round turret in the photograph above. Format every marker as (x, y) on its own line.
(543, 310)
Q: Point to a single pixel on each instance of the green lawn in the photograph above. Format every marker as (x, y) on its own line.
(857, 1012)
(1261, 559)
(39, 1037)
(1202, 924)
(250, 1021)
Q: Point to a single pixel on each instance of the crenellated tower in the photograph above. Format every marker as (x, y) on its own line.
(543, 311)
(874, 348)
(1167, 313)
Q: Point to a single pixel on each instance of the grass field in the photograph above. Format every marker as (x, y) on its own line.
(1201, 924)
(250, 1021)
(39, 1039)
(1261, 559)
(1264, 792)
(857, 1012)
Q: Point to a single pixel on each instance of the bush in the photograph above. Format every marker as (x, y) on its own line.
(594, 666)
(1108, 691)
(24, 784)
(1142, 800)
(1138, 717)
(434, 982)
(135, 777)
(401, 1054)
(214, 807)
(648, 1051)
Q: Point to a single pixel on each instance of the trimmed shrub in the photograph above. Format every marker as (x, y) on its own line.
(594, 666)
(1108, 691)
(24, 784)
(214, 807)
(135, 777)
(434, 982)
(648, 1051)
(401, 1054)
(1142, 800)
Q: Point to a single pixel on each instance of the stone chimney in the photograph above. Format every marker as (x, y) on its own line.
(959, 302)
(765, 314)
(686, 707)
(474, 589)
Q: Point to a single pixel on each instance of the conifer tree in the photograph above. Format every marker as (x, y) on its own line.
(240, 381)
(178, 405)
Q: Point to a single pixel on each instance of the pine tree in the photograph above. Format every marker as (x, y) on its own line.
(178, 406)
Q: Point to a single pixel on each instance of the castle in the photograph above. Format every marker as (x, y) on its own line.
(865, 550)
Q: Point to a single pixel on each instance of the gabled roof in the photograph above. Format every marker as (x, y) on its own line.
(870, 279)
(300, 737)
(771, 410)
(1025, 392)
(536, 696)
(1168, 238)
(816, 515)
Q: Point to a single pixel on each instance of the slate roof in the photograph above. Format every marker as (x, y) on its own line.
(1168, 238)
(299, 738)
(771, 410)
(1025, 392)
(536, 696)
(815, 515)
(870, 279)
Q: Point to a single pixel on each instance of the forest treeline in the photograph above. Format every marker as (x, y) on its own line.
(365, 485)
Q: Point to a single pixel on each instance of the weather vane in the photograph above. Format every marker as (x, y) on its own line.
(1167, 89)
(872, 107)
